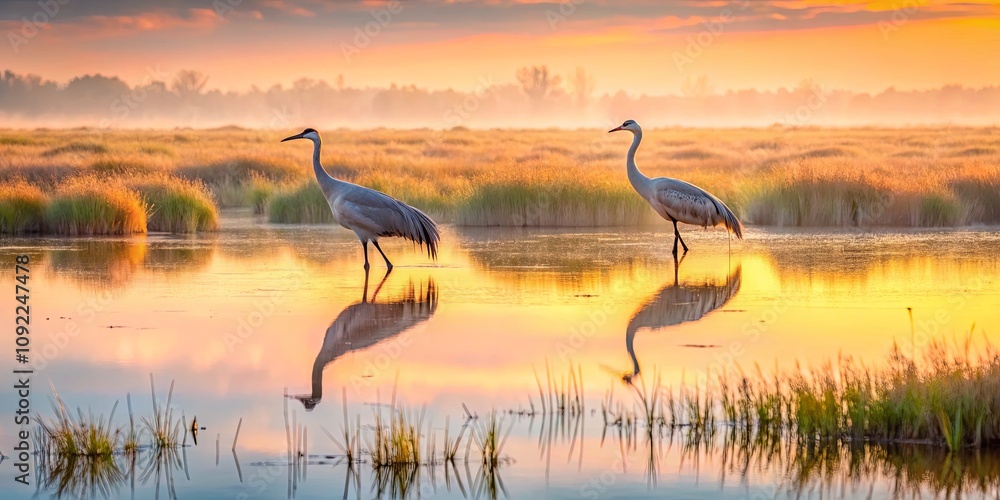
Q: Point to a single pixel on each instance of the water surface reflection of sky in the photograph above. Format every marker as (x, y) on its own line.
(235, 317)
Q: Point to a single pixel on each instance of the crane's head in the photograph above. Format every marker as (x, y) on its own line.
(629, 125)
(307, 400)
(308, 133)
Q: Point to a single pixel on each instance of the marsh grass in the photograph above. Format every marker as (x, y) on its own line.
(22, 208)
(80, 436)
(451, 446)
(163, 427)
(158, 149)
(103, 204)
(396, 438)
(258, 191)
(303, 203)
(436, 197)
(939, 210)
(240, 167)
(350, 445)
(86, 205)
(120, 166)
(529, 196)
(244, 181)
(816, 201)
(16, 140)
(982, 194)
(489, 436)
(89, 148)
(561, 394)
(949, 397)
(132, 437)
(87, 456)
(783, 177)
(176, 205)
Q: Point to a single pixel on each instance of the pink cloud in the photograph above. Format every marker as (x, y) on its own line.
(114, 26)
(288, 8)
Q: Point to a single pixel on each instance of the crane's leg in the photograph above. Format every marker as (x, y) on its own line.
(364, 245)
(387, 263)
(677, 237)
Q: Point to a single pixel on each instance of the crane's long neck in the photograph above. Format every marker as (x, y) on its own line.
(629, 344)
(317, 379)
(326, 181)
(635, 177)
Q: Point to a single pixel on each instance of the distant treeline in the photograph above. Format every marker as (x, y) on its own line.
(539, 98)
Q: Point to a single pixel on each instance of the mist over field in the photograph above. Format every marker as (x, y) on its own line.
(533, 97)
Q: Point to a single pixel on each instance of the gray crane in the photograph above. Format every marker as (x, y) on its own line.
(674, 199)
(369, 213)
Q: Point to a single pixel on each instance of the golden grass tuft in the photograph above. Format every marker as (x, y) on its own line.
(175, 205)
(120, 201)
(90, 205)
(22, 208)
(117, 166)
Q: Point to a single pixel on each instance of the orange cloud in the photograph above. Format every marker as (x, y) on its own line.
(288, 8)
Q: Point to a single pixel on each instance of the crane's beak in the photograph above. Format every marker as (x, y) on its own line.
(296, 136)
(615, 129)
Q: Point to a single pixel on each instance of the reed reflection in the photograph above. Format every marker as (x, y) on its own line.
(368, 323)
(675, 303)
(112, 264)
(103, 476)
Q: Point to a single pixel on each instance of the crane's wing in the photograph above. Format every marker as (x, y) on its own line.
(693, 205)
(383, 215)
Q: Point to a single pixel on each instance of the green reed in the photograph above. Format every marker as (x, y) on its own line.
(949, 397)
(562, 394)
(163, 426)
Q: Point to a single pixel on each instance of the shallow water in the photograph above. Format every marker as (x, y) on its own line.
(235, 317)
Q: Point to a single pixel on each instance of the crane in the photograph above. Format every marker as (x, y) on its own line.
(369, 213)
(674, 199)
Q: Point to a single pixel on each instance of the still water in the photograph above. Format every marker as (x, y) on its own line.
(236, 318)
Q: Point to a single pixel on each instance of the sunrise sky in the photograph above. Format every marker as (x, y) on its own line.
(640, 46)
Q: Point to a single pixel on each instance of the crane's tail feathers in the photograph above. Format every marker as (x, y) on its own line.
(729, 219)
(428, 232)
(418, 228)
